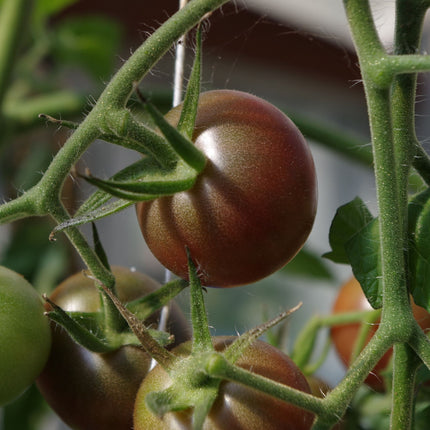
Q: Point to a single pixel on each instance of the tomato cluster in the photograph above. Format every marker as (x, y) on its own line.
(91, 390)
(249, 212)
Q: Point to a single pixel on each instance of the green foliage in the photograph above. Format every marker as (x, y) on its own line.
(355, 240)
(348, 220)
(363, 250)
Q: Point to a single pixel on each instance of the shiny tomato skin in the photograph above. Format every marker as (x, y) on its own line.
(251, 209)
(92, 391)
(25, 337)
(350, 299)
(236, 407)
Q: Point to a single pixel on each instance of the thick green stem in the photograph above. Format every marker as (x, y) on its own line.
(420, 343)
(405, 365)
(340, 397)
(219, 367)
(409, 22)
(391, 212)
(389, 191)
(390, 99)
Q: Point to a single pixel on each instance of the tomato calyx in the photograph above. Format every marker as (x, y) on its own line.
(194, 385)
(154, 176)
(90, 330)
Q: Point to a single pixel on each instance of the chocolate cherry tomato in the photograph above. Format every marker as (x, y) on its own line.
(253, 206)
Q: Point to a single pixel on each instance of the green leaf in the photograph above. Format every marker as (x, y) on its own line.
(307, 264)
(419, 250)
(363, 251)
(348, 220)
(91, 42)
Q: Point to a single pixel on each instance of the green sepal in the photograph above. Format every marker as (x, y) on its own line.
(191, 99)
(202, 341)
(168, 400)
(183, 147)
(134, 171)
(93, 340)
(98, 247)
(190, 389)
(142, 333)
(103, 211)
(151, 186)
(145, 306)
(235, 350)
(162, 337)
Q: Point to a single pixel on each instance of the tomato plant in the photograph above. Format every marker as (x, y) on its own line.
(236, 407)
(351, 298)
(25, 336)
(90, 390)
(218, 180)
(253, 206)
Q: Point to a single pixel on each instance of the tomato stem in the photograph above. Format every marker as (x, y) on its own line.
(218, 366)
(154, 349)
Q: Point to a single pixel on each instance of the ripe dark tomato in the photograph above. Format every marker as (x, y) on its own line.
(237, 407)
(96, 391)
(349, 299)
(25, 337)
(251, 209)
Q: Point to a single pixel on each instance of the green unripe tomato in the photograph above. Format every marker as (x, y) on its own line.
(25, 335)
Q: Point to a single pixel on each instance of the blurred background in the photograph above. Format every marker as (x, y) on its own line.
(297, 55)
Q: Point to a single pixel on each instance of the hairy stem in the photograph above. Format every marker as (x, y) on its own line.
(405, 367)
(118, 91)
